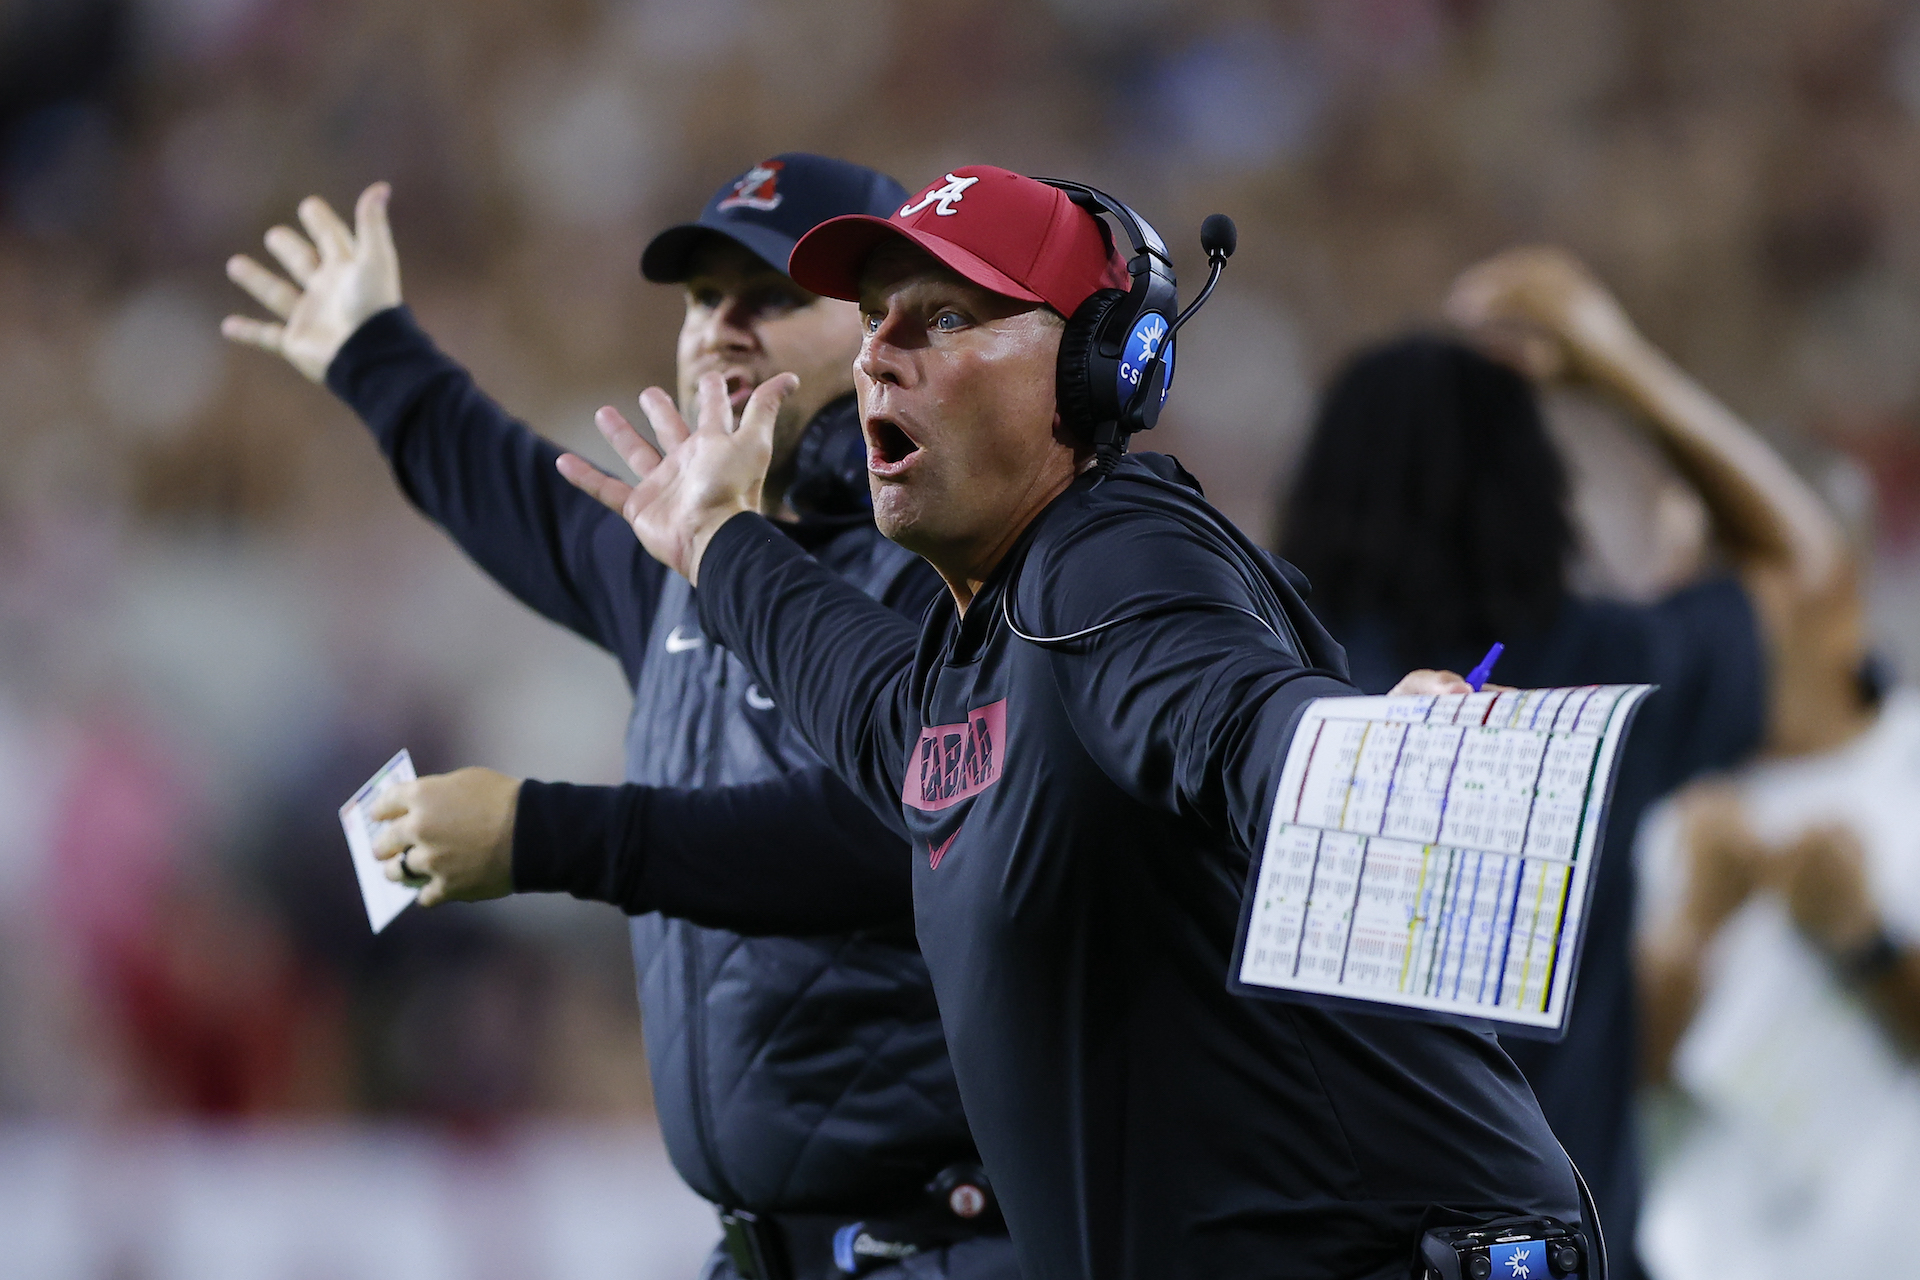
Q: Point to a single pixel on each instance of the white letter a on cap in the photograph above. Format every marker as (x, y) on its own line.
(946, 197)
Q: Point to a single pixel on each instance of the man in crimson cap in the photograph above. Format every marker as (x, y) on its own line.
(1083, 739)
(959, 487)
(798, 1063)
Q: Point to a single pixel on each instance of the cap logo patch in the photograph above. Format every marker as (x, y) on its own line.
(946, 197)
(757, 190)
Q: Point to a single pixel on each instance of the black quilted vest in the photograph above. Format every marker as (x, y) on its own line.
(790, 1074)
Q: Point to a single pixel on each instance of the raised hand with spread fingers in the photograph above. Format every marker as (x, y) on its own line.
(699, 478)
(340, 278)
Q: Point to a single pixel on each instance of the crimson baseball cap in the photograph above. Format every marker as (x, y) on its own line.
(769, 207)
(1004, 231)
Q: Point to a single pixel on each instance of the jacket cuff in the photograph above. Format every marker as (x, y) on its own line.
(382, 368)
(562, 834)
(730, 552)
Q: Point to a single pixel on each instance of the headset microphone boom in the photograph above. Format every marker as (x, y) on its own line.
(1107, 388)
(1219, 238)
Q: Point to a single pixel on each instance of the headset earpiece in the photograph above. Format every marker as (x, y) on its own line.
(1116, 356)
(1107, 349)
(1079, 412)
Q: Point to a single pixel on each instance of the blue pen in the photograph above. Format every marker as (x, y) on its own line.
(1478, 676)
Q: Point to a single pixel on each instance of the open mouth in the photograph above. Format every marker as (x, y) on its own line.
(739, 387)
(889, 448)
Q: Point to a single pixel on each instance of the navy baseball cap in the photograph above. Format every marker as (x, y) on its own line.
(769, 207)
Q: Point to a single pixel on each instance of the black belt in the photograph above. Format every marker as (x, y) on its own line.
(957, 1205)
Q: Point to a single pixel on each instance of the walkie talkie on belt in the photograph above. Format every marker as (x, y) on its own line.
(1505, 1249)
(957, 1205)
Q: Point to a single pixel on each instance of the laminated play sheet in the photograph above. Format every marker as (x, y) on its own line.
(1433, 856)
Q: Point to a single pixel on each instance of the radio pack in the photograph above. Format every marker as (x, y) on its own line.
(1505, 1249)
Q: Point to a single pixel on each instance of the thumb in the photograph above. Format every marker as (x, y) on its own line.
(373, 247)
(370, 230)
(763, 408)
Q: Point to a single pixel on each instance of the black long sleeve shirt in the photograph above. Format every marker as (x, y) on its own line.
(1081, 807)
(703, 854)
(797, 1066)
(492, 485)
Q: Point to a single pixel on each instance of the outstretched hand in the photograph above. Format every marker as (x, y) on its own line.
(341, 278)
(705, 477)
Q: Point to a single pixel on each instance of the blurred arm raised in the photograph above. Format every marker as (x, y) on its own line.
(1791, 553)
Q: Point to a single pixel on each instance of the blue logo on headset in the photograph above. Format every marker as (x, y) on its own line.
(1526, 1260)
(1149, 331)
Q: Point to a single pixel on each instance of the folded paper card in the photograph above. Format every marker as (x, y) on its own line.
(384, 898)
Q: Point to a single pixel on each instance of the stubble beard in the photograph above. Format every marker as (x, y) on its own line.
(892, 511)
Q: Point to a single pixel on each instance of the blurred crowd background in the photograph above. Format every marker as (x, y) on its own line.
(217, 617)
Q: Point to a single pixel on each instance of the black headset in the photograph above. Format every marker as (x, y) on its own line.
(1116, 356)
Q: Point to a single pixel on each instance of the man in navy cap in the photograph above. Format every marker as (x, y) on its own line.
(803, 1083)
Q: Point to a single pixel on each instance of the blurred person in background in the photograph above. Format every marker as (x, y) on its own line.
(1431, 512)
(803, 1083)
(1782, 988)
(212, 1012)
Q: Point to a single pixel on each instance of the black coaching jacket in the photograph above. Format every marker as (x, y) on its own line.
(791, 1074)
(1084, 761)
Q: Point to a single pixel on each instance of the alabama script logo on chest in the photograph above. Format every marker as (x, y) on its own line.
(954, 762)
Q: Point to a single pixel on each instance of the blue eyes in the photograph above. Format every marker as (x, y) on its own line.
(944, 322)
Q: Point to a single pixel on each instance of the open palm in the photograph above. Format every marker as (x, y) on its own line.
(698, 479)
(340, 278)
